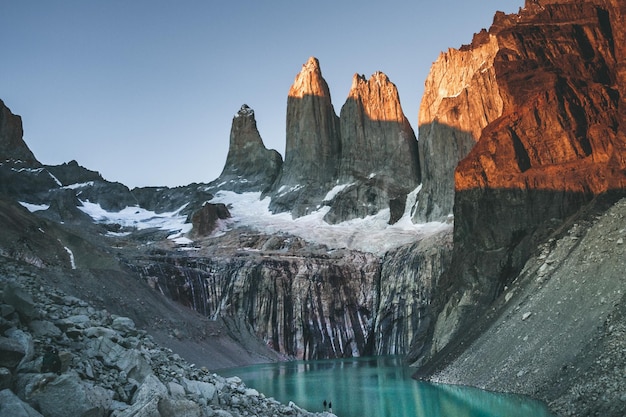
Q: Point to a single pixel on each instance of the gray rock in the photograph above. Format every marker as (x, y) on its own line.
(68, 395)
(5, 378)
(12, 406)
(21, 301)
(200, 388)
(124, 325)
(11, 352)
(44, 328)
(179, 408)
(249, 166)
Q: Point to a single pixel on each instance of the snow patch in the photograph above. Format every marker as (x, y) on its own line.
(336, 190)
(34, 207)
(140, 218)
(59, 183)
(71, 254)
(371, 234)
(79, 185)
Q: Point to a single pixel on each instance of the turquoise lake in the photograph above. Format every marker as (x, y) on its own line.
(377, 387)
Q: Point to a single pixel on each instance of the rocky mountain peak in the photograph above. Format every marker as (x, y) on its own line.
(312, 144)
(379, 94)
(310, 81)
(249, 166)
(12, 145)
(372, 119)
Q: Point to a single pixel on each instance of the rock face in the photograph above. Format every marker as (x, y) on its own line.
(12, 146)
(409, 279)
(562, 319)
(312, 145)
(249, 166)
(461, 97)
(374, 131)
(301, 301)
(558, 142)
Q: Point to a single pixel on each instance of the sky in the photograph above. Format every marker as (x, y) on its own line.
(144, 91)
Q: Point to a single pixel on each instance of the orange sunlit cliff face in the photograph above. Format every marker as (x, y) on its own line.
(309, 81)
(557, 72)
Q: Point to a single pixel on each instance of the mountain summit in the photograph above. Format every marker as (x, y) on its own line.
(12, 146)
(249, 166)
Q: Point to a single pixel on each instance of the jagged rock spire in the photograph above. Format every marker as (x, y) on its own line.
(12, 146)
(312, 144)
(249, 166)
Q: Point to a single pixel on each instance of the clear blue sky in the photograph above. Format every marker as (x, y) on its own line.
(144, 91)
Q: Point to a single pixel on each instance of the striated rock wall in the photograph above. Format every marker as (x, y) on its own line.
(305, 301)
(409, 279)
(306, 307)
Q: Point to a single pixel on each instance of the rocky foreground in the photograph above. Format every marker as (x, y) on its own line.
(61, 357)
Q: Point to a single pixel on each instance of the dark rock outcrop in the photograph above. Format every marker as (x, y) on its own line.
(205, 219)
(249, 166)
(374, 131)
(12, 145)
(312, 145)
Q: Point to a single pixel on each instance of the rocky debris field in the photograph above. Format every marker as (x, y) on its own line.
(61, 357)
(558, 332)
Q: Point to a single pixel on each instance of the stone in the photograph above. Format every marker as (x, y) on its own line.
(180, 407)
(68, 395)
(11, 352)
(5, 378)
(206, 220)
(21, 301)
(12, 406)
(200, 388)
(44, 328)
(124, 325)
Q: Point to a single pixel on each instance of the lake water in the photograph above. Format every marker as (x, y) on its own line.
(377, 387)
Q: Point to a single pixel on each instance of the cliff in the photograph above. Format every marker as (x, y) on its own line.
(312, 145)
(374, 131)
(552, 141)
(461, 97)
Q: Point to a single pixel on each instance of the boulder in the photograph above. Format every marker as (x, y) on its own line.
(12, 406)
(67, 395)
(11, 352)
(21, 301)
